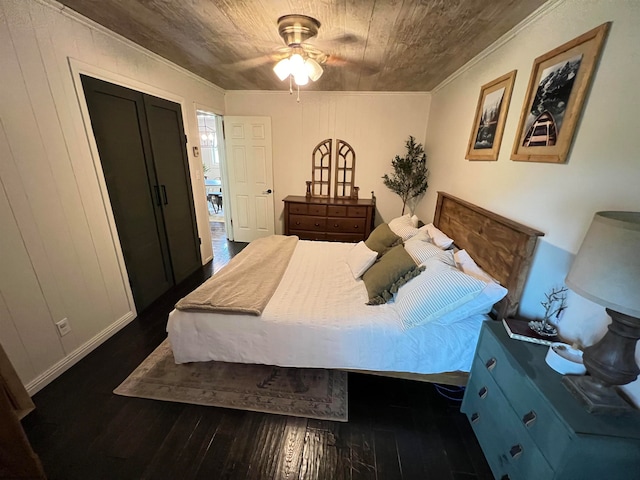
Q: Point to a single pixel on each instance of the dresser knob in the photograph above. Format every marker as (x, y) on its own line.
(317, 224)
(335, 225)
(482, 393)
(529, 418)
(516, 451)
(475, 417)
(297, 223)
(491, 364)
(355, 226)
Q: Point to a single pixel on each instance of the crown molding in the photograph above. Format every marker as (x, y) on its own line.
(507, 37)
(68, 12)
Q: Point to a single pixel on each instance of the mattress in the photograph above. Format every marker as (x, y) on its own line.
(318, 318)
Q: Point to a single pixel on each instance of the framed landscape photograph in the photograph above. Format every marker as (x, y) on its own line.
(491, 114)
(552, 106)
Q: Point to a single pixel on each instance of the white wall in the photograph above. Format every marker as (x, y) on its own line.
(376, 125)
(603, 169)
(58, 258)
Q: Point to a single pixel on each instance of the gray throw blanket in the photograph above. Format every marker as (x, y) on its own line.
(248, 281)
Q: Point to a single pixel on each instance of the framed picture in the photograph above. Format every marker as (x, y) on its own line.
(491, 114)
(553, 104)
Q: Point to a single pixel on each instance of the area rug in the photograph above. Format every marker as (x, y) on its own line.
(300, 392)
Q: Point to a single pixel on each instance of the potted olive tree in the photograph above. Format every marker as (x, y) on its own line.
(410, 173)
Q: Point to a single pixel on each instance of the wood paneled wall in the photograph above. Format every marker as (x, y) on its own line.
(59, 257)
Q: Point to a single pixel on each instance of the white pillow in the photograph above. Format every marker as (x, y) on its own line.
(434, 293)
(438, 237)
(465, 263)
(415, 221)
(491, 294)
(420, 248)
(403, 227)
(360, 258)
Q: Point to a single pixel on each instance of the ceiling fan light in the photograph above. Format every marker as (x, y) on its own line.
(296, 63)
(283, 68)
(301, 78)
(314, 70)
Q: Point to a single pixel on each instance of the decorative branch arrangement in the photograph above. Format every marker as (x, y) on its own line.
(555, 304)
(409, 180)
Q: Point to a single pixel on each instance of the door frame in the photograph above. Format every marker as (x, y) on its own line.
(224, 178)
(78, 68)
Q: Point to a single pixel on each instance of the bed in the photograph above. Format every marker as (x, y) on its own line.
(317, 316)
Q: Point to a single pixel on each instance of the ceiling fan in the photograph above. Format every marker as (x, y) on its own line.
(301, 61)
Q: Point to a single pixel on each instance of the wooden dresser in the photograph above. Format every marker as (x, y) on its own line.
(338, 220)
(530, 427)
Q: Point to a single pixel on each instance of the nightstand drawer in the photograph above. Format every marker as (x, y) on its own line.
(301, 222)
(505, 443)
(539, 419)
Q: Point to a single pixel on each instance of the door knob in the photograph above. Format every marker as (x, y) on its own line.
(266, 192)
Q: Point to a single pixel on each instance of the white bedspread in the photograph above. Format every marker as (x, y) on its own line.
(318, 317)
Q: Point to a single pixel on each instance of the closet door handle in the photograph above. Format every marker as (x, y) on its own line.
(164, 194)
(157, 191)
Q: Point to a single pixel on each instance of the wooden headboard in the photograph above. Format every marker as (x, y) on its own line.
(502, 247)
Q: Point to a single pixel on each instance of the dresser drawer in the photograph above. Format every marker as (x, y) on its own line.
(534, 412)
(514, 452)
(302, 222)
(346, 225)
(298, 208)
(356, 211)
(336, 211)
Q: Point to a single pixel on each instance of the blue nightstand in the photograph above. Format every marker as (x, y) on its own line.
(530, 427)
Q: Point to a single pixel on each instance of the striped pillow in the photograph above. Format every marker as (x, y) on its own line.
(434, 293)
(403, 227)
(421, 248)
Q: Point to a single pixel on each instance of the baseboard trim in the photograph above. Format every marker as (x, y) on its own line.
(78, 354)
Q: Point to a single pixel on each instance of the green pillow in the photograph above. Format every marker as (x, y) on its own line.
(382, 239)
(388, 274)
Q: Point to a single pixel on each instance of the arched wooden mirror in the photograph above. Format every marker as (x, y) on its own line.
(321, 169)
(345, 170)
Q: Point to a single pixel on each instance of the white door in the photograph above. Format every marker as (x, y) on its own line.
(250, 172)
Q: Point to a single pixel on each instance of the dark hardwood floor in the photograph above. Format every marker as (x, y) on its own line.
(397, 429)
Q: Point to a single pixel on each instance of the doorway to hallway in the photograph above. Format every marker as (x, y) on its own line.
(210, 138)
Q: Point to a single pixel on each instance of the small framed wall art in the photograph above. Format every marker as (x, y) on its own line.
(552, 106)
(491, 114)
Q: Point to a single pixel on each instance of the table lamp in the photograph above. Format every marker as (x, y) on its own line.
(606, 270)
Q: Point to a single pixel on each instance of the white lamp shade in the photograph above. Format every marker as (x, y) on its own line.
(314, 70)
(282, 68)
(606, 269)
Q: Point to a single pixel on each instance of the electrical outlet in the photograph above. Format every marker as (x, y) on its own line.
(63, 327)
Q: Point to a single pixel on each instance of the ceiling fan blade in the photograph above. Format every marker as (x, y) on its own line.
(249, 63)
(366, 68)
(336, 41)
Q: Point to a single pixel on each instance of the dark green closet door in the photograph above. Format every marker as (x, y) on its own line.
(119, 124)
(168, 144)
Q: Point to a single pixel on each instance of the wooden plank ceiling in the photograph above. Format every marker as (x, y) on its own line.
(383, 45)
